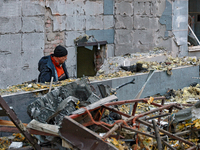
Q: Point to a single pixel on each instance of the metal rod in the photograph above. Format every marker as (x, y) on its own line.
(120, 103)
(134, 108)
(162, 103)
(167, 133)
(157, 134)
(131, 82)
(141, 90)
(158, 116)
(152, 111)
(193, 148)
(137, 131)
(136, 100)
(168, 145)
(116, 126)
(194, 34)
(51, 84)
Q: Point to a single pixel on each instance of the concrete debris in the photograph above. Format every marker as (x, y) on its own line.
(156, 60)
(76, 118)
(52, 107)
(149, 61)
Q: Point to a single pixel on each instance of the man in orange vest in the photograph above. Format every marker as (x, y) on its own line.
(53, 66)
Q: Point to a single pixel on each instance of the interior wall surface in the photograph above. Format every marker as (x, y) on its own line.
(30, 29)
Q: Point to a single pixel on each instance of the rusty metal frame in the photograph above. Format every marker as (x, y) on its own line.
(132, 120)
(70, 125)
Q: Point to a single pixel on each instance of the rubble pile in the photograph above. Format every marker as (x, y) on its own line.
(111, 69)
(112, 124)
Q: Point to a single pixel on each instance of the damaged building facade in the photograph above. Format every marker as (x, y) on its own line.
(30, 29)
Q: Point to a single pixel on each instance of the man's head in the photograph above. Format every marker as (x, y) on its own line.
(60, 54)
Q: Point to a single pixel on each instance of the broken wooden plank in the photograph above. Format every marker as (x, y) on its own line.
(95, 104)
(47, 128)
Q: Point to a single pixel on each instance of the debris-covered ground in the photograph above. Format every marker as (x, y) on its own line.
(175, 130)
(170, 121)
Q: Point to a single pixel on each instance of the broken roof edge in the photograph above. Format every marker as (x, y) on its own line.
(91, 43)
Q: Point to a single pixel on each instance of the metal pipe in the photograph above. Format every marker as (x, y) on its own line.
(157, 134)
(51, 84)
(167, 133)
(137, 131)
(168, 145)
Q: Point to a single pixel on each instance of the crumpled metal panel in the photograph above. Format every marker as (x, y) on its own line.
(61, 101)
(185, 114)
(81, 137)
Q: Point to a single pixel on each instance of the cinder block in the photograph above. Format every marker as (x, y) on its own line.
(119, 1)
(145, 22)
(124, 8)
(33, 24)
(10, 8)
(70, 36)
(102, 35)
(71, 58)
(33, 41)
(59, 23)
(10, 44)
(10, 59)
(57, 7)
(32, 46)
(108, 6)
(76, 23)
(144, 36)
(94, 22)
(72, 71)
(10, 24)
(124, 36)
(75, 8)
(33, 8)
(122, 49)
(110, 50)
(93, 8)
(108, 22)
(124, 22)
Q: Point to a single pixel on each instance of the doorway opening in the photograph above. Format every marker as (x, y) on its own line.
(85, 62)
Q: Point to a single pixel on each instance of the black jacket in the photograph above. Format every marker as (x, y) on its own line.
(48, 70)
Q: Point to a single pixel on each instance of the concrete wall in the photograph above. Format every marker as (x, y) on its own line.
(30, 29)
